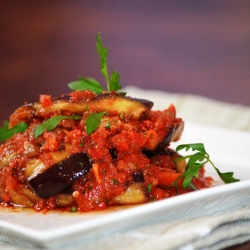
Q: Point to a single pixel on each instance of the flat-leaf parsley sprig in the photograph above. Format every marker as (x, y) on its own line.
(195, 162)
(91, 84)
(52, 123)
(93, 122)
(6, 132)
(112, 81)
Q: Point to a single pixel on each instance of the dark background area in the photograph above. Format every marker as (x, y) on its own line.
(197, 47)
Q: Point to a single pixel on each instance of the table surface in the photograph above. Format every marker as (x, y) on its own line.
(195, 47)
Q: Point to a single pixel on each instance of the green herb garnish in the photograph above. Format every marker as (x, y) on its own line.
(113, 83)
(149, 188)
(93, 122)
(86, 84)
(93, 85)
(51, 123)
(73, 209)
(6, 133)
(195, 162)
(115, 182)
(108, 125)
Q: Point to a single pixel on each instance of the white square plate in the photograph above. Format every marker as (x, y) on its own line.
(228, 149)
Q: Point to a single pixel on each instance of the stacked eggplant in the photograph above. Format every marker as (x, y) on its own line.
(43, 181)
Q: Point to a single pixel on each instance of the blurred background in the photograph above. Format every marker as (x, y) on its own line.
(182, 46)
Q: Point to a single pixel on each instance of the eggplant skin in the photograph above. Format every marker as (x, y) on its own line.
(128, 107)
(138, 176)
(173, 136)
(58, 177)
(145, 102)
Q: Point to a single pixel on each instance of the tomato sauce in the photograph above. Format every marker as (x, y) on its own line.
(119, 149)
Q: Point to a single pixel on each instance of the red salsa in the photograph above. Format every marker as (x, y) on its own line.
(129, 155)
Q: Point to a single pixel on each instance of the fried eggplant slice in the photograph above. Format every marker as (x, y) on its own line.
(61, 175)
(127, 107)
(134, 194)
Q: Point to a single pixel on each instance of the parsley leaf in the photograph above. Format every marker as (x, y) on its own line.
(149, 188)
(6, 133)
(194, 146)
(93, 85)
(190, 173)
(86, 84)
(73, 209)
(114, 81)
(195, 162)
(103, 58)
(226, 177)
(51, 123)
(93, 122)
